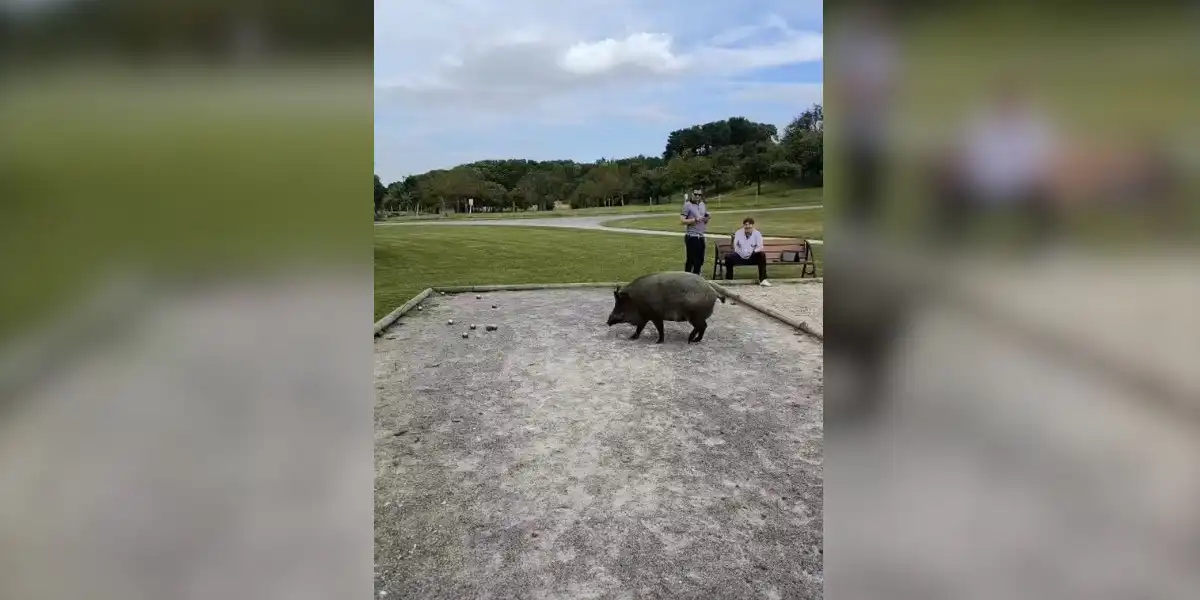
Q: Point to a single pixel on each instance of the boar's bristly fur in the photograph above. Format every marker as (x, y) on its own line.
(658, 297)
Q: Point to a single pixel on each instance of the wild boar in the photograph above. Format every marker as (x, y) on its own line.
(671, 296)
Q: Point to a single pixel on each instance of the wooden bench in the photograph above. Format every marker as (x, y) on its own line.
(779, 252)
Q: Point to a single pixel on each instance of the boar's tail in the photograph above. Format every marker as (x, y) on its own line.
(720, 294)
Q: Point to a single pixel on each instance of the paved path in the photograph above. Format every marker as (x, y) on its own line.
(594, 223)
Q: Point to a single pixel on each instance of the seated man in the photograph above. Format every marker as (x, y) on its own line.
(747, 250)
(1003, 163)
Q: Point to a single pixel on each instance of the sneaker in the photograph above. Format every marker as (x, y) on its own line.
(765, 283)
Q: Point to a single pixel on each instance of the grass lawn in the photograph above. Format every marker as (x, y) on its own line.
(773, 195)
(172, 173)
(410, 259)
(791, 223)
(953, 58)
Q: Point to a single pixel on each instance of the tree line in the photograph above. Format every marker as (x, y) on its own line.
(715, 157)
(213, 30)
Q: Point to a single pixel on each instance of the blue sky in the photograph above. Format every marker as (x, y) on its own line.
(464, 80)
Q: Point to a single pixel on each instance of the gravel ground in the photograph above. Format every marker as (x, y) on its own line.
(1003, 472)
(213, 448)
(800, 300)
(556, 458)
(1140, 312)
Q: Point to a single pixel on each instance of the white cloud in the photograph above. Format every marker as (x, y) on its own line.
(800, 95)
(735, 35)
(534, 49)
(796, 48)
(465, 65)
(649, 51)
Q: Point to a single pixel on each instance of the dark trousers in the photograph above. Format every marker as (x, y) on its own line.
(734, 259)
(958, 207)
(959, 211)
(863, 203)
(694, 246)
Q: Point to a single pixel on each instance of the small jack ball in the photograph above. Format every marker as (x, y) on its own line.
(494, 306)
(473, 327)
(450, 322)
(420, 308)
(477, 297)
(465, 336)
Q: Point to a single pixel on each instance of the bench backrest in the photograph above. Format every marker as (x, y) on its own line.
(774, 249)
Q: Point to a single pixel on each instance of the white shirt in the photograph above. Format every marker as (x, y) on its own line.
(1008, 154)
(745, 246)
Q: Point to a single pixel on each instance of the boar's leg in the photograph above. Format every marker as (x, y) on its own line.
(658, 324)
(638, 332)
(699, 327)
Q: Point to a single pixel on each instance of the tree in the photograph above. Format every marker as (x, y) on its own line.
(743, 131)
(726, 165)
(715, 156)
(560, 184)
(786, 171)
(715, 135)
(650, 184)
(803, 144)
(492, 195)
(756, 164)
(810, 120)
(200, 28)
(455, 187)
(810, 156)
(703, 175)
(395, 198)
(677, 176)
(380, 192)
(703, 140)
(535, 189)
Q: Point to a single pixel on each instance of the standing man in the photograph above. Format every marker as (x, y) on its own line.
(695, 216)
(747, 250)
(868, 58)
